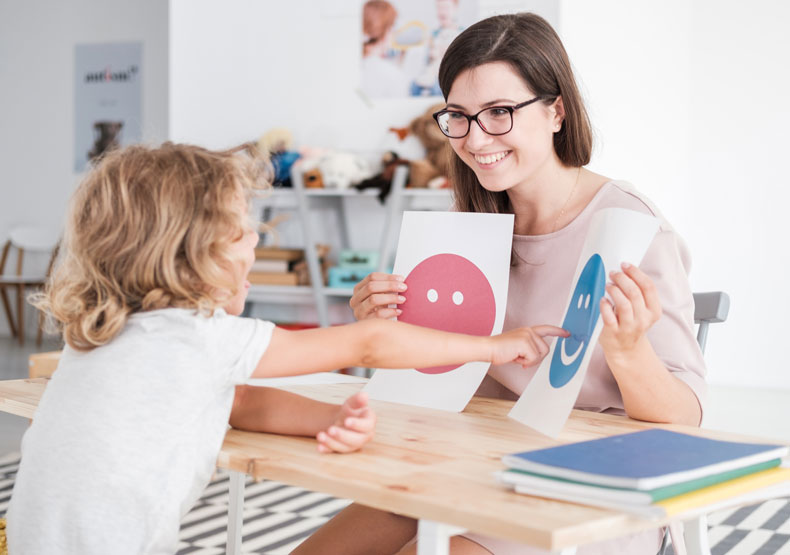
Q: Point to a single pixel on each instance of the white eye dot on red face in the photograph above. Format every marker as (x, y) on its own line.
(433, 296)
(458, 297)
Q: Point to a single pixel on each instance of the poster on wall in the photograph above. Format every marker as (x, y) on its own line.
(107, 99)
(616, 235)
(457, 267)
(403, 41)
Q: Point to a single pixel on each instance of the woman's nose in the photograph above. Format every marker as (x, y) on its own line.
(476, 137)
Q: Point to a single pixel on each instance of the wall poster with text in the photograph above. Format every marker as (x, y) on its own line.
(107, 99)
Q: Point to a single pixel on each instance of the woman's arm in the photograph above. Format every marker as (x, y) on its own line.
(650, 391)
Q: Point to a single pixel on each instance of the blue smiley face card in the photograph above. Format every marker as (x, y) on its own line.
(616, 235)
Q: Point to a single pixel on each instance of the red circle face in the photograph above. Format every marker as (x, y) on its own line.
(448, 292)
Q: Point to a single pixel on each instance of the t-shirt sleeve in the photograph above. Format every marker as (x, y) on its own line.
(240, 344)
(667, 262)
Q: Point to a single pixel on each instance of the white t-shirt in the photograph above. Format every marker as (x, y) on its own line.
(126, 436)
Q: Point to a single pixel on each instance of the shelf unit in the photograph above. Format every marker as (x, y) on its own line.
(303, 202)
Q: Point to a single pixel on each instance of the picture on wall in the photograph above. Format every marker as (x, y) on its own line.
(107, 99)
(403, 43)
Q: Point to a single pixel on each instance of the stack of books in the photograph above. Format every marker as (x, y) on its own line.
(652, 473)
(275, 266)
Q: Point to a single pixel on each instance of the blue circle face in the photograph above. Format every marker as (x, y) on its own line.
(580, 320)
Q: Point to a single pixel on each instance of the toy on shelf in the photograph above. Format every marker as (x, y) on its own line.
(277, 144)
(352, 266)
(383, 180)
(340, 170)
(436, 164)
(429, 172)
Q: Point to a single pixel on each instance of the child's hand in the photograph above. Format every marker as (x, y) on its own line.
(353, 427)
(636, 308)
(524, 346)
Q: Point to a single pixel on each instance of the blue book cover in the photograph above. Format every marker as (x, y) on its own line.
(643, 460)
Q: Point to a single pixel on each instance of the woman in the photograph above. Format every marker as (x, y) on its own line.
(520, 138)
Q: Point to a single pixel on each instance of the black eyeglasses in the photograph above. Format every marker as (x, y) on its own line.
(496, 120)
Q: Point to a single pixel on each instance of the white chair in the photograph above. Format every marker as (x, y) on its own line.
(24, 240)
(692, 536)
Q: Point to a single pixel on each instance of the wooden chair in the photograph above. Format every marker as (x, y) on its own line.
(26, 239)
(692, 537)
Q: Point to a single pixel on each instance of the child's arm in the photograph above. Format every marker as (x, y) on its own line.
(341, 428)
(377, 343)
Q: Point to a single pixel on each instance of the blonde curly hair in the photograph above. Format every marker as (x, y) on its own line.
(149, 228)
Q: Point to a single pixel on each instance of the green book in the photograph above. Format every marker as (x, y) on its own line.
(544, 486)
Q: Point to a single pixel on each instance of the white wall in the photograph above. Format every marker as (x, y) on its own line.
(37, 42)
(689, 100)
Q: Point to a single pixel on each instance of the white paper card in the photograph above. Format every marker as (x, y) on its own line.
(457, 267)
(616, 235)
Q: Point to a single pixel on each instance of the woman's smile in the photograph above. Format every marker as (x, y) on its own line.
(490, 160)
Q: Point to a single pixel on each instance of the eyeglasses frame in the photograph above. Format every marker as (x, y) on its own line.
(470, 119)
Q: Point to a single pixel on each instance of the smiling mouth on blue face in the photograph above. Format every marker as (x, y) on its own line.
(580, 320)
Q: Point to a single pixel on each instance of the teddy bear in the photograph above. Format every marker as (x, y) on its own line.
(433, 170)
(430, 171)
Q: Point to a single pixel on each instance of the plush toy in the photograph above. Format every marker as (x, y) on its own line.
(432, 170)
(313, 179)
(383, 181)
(436, 150)
(277, 144)
(340, 170)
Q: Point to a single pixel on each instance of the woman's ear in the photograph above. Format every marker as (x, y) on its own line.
(558, 109)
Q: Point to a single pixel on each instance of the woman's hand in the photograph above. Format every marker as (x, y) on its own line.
(353, 427)
(374, 293)
(634, 308)
(524, 346)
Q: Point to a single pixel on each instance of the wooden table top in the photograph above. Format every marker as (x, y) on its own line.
(427, 463)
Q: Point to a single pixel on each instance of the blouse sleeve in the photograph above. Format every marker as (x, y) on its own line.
(667, 262)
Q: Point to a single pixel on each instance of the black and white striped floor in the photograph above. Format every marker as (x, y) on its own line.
(278, 517)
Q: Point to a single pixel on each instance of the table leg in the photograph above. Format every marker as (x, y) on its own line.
(433, 538)
(235, 512)
(695, 532)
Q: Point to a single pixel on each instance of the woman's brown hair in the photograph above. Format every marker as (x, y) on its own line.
(529, 44)
(149, 228)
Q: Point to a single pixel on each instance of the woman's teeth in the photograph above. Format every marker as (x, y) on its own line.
(490, 158)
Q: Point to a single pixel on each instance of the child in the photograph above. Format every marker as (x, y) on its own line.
(148, 293)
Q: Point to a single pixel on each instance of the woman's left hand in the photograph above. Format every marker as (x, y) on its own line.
(636, 308)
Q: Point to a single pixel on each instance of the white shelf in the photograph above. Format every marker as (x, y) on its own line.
(303, 200)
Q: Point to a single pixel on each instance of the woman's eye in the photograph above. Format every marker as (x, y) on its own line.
(455, 115)
(498, 112)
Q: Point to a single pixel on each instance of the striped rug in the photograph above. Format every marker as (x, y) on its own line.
(278, 517)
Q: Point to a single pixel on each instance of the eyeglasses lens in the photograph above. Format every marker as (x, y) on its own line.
(494, 121)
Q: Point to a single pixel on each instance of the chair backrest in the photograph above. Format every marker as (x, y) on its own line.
(709, 308)
(26, 239)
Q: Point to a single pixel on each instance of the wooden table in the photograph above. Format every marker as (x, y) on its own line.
(428, 464)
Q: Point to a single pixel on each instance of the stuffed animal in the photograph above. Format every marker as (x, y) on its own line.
(432, 170)
(436, 148)
(277, 145)
(383, 181)
(340, 170)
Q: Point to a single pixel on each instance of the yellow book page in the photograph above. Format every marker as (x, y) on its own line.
(726, 490)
